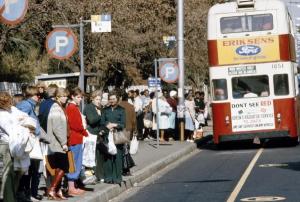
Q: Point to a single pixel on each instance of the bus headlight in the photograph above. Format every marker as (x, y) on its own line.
(278, 116)
(227, 120)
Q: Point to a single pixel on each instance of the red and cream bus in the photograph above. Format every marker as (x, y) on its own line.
(253, 71)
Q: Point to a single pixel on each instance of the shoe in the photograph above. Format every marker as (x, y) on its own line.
(36, 198)
(33, 199)
(21, 197)
(60, 195)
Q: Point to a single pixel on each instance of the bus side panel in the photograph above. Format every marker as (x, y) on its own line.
(212, 52)
(286, 109)
(298, 114)
(287, 47)
(220, 111)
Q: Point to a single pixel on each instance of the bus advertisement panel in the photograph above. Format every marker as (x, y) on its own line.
(248, 50)
(252, 114)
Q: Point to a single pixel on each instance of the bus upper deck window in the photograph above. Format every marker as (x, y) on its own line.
(281, 84)
(220, 89)
(231, 25)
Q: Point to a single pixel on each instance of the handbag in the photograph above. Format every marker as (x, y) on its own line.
(36, 152)
(101, 145)
(121, 137)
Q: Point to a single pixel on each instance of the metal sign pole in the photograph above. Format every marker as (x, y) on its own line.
(180, 54)
(156, 102)
(81, 77)
(81, 35)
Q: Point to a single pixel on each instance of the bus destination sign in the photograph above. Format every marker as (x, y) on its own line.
(250, 69)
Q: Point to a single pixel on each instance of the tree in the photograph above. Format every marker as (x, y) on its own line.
(123, 57)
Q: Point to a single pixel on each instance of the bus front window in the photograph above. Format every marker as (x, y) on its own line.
(220, 89)
(250, 86)
(281, 84)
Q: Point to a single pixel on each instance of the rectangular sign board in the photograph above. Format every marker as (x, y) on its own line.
(152, 82)
(101, 23)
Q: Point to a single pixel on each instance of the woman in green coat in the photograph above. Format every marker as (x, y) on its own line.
(92, 112)
(113, 118)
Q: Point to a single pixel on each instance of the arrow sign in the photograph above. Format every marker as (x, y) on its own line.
(169, 72)
(14, 11)
(61, 43)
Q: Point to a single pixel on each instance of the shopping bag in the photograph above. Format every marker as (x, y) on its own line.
(89, 151)
(71, 162)
(134, 145)
(112, 149)
(36, 152)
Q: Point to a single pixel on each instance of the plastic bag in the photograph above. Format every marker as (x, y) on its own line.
(36, 152)
(134, 145)
(89, 151)
(112, 149)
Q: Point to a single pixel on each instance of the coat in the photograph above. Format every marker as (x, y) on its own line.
(77, 130)
(93, 119)
(130, 124)
(17, 137)
(28, 106)
(164, 111)
(57, 128)
(112, 165)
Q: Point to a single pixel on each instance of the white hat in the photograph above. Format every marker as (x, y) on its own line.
(173, 93)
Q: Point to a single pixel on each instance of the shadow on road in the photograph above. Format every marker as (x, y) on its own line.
(207, 143)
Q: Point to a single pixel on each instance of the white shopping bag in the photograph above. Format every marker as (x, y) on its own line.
(134, 145)
(112, 149)
(89, 151)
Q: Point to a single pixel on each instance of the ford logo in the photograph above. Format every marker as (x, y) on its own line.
(248, 50)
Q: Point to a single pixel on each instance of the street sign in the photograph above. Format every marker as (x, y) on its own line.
(61, 43)
(153, 82)
(14, 11)
(101, 23)
(2, 2)
(169, 41)
(169, 72)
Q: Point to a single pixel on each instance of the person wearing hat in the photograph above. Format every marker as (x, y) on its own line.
(172, 100)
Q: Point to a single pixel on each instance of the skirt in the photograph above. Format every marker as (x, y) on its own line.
(58, 160)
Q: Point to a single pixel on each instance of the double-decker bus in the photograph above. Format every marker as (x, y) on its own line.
(253, 71)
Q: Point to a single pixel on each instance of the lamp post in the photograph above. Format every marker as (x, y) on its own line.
(180, 56)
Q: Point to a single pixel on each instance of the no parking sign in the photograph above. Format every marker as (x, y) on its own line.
(14, 11)
(2, 2)
(169, 72)
(61, 43)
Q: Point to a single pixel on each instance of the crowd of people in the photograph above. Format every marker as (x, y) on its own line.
(44, 133)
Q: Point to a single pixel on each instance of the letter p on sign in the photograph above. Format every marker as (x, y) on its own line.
(169, 72)
(61, 41)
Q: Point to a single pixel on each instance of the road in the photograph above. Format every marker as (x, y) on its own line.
(237, 173)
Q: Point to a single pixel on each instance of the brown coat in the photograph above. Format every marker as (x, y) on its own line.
(130, 116)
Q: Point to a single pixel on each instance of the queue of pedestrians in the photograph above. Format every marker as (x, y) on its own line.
(44, 134)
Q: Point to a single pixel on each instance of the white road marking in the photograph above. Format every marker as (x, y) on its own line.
(244, 177)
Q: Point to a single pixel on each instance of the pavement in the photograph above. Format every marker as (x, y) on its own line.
(149, 160)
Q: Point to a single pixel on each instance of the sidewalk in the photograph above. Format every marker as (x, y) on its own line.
(149, 160)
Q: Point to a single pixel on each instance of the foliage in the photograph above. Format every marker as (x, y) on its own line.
(123, 57)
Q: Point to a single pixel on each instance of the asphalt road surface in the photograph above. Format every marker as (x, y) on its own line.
(239, 172)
